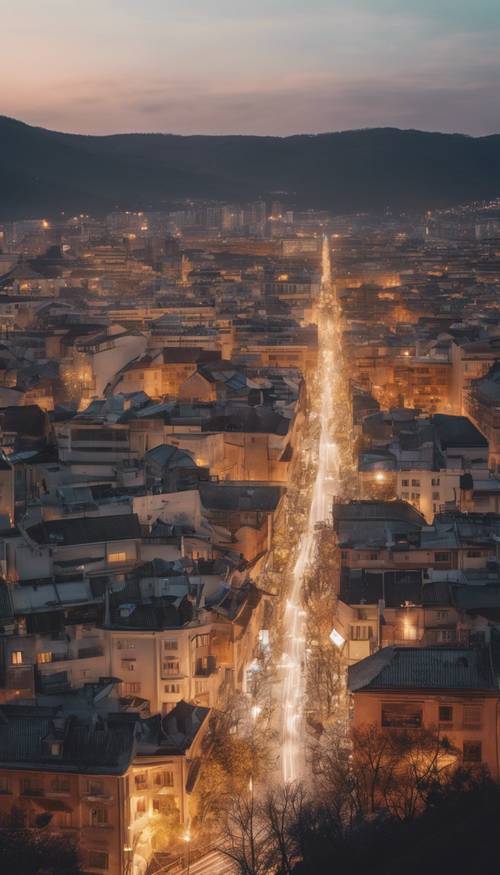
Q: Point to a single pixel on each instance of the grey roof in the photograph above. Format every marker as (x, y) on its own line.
(360, 586)
(87, 746)
(87, 530)
(476, 597)
(249, 419)
(168, 456)
(240, 497)
(383, 511)
(424, 668)
(457, 431)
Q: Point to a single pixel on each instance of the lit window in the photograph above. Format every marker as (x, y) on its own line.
(117, 557)
(44, 657)
(16, 657)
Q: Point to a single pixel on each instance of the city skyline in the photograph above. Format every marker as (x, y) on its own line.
(276, 68)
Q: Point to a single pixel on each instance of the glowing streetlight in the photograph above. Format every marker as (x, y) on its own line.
(186, 838)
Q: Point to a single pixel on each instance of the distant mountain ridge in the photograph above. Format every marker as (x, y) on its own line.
(44, 172)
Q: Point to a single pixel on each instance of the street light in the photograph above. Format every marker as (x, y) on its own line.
(187, 839)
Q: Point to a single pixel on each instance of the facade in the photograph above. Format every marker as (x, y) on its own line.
(452, 690)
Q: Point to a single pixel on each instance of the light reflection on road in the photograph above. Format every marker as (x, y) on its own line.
(324, 488)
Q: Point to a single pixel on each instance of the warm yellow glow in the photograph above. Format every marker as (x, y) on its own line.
(380, 476)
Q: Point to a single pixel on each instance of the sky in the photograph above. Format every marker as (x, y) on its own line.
(251, 66)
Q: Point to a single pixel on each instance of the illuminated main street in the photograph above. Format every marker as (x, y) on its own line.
(326, 397)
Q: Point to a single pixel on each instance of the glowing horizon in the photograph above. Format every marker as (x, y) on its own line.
(278, 67)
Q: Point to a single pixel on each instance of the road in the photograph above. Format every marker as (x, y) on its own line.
(324, 488)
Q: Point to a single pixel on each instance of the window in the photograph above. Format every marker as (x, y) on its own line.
(435, 481)
(472, 752)
(441, 615)
(405, 483)
(64, 819)
(400, 714)
(117, 557)
(97, 860)
(445, 714)
(125, 644)
(405, 495)
(98, 817)
(140, 807)
(201, 640)
(164, 779)
(60, 784)
(166, 805)
(128, 664)
(441, 557)
(171, 667)
(444, 636)
(132, 689)
(16, 657)
(473, 715)
(474, 554)
(170, 644)
(373, 555)
(172, 688)
(415, 482)
(361, 633)
(4, 785)
(140, 780)
(435, 496)
(44, 657)
(31, 787)
(56, 748)
(95, 788)
(200, 688)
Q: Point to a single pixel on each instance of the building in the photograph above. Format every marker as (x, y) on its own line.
(451, 689)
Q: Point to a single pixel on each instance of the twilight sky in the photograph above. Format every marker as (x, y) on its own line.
(251, 66)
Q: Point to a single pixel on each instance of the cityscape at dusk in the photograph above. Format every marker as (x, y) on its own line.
(250, 438)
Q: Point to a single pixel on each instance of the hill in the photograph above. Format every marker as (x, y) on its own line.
(43, 172)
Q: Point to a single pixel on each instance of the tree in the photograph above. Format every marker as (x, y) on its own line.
(390, 770)
(36, 852)
(244, 835)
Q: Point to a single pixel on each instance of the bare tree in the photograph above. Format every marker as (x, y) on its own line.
(391, 770)
(281, 810)
(244, 836)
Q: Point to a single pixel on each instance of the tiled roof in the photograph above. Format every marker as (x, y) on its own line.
(86, 746)
(424, 668)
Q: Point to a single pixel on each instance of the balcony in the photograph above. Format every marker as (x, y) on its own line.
(205, 666)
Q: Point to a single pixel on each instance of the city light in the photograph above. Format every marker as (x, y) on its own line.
(324, 488)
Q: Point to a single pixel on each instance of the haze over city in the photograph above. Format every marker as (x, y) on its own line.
(250, 437)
